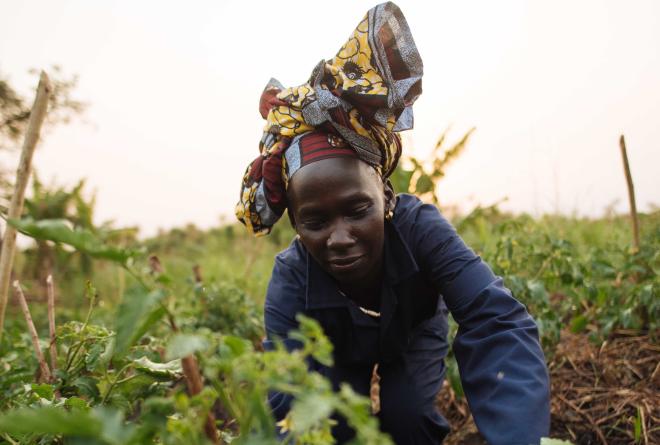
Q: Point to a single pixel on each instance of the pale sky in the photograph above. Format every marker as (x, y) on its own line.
(173, 89)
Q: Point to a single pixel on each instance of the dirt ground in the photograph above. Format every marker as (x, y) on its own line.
(607, 394)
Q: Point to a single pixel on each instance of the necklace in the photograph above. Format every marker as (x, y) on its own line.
(370, 313)
(364, 310)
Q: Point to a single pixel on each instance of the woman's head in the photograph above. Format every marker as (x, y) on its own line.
(352, 105)
(338, 207)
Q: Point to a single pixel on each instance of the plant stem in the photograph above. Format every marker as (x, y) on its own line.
(9, 439)
(37, 116)
(189, 364)
(51, 323)
(45, 372)
(114, 383)
(92, 299)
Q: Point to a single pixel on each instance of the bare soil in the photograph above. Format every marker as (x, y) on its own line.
(601, 394)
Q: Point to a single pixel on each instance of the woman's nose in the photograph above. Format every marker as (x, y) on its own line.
(340, 237)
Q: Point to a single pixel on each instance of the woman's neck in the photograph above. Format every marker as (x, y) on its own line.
(365, 294)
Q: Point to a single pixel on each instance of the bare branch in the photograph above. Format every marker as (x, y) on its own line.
(45, 372)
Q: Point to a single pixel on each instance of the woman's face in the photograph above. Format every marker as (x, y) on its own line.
(338, 208)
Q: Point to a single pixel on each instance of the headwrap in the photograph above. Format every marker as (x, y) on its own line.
(352, 105)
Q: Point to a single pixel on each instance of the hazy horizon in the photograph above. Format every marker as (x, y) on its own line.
(173, 93)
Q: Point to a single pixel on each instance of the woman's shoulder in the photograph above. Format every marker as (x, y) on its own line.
(411, 210)
(294, 257)
(415, 220)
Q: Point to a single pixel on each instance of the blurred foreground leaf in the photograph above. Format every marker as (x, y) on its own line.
(168, 370)
(182, 345)
(138, 311)
(59, 231)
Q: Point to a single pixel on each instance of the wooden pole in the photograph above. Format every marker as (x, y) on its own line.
(37, 116)
(45, 372)
(631, 195)
(51, 323)
(190, 366)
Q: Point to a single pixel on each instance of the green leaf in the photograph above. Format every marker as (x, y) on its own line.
(87, 386)
(309, 409)
(171, 369)
(49, 420)
(59, 231)
(238, 346)
(638, 426)
(113, 428)
(137, 312)
(93, 355)
(76, 403)
(43, 390)
(424, 184)
(400, 179)
(538, 292)
(578, 323)
(182, 345)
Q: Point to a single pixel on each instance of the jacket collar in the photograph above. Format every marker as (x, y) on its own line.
(322, 291)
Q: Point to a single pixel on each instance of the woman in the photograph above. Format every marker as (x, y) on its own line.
(380, 271)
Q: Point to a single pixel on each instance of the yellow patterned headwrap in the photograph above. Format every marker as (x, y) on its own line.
(359, 99)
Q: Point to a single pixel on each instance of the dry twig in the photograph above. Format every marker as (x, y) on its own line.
(191, 371)
(45, 372)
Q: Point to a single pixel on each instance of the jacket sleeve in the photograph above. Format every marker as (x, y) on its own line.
(284, 299)
(501, 363)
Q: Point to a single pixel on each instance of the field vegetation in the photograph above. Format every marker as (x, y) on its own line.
(112, 339)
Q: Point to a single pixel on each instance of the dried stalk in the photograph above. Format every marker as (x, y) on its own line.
(191, 371)
(586, 415)
(197, 273)
(37, 116)
(51, 323)
(45, 372)
(631, 194)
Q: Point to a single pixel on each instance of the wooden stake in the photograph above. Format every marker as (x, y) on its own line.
(197, 273)
(631, 195)
(45, 372)
(51, 323)
(189, 365)
(37, 116)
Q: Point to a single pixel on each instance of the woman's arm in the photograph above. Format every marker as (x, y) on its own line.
(502, 366)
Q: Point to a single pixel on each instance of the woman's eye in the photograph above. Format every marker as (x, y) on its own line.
(360, 211)
(313, 224)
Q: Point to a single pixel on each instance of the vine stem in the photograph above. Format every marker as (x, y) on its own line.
(45, 372)
(51, 323)
(37, 116)
(114, 383)
(78, 345)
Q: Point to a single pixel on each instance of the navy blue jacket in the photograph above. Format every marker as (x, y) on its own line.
(428, 271)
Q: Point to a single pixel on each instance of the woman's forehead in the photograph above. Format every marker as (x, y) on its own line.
(331, 171)
(336, 178)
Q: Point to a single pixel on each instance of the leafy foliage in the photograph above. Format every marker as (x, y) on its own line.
(422, 178)
(60, 231)
(125, 386)
(15, 108)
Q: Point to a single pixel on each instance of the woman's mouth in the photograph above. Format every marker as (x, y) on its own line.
(339, 265)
